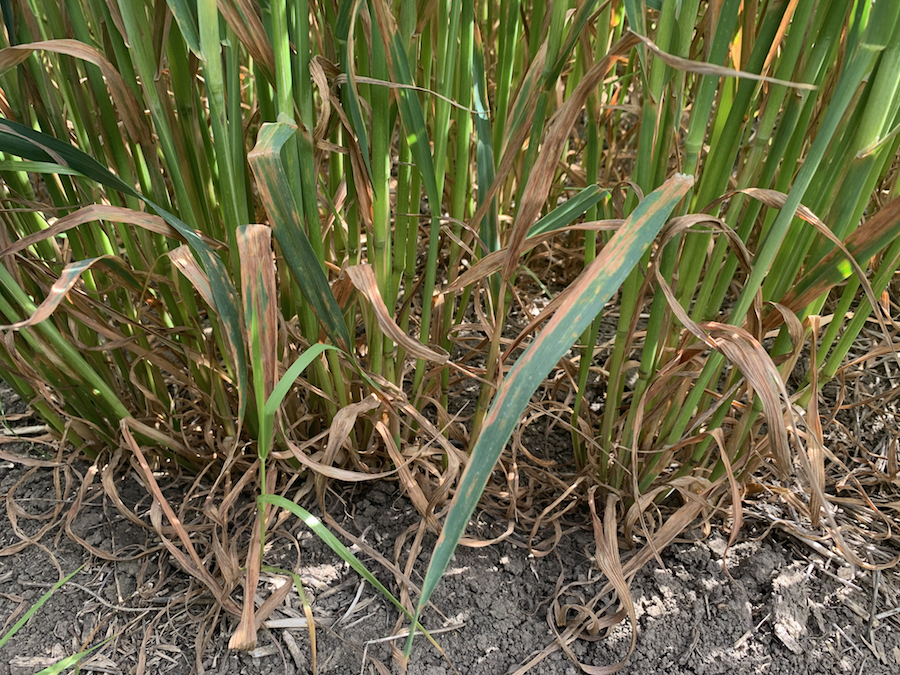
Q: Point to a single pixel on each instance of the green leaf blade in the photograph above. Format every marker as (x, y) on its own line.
(591, 292)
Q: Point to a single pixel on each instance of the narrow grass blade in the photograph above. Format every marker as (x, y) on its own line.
(335, 545)
(36, 606)
(634, 10)
(484, 156)
(346, 24)
(565, 213)
(287, 380)
(37, 167)
(589, 294)
(70, 661)
(228, 145)
(411, 112)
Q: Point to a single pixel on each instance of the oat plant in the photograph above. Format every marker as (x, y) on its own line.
(274, 244)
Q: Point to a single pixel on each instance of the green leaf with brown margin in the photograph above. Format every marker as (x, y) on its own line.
(589, 294)
(259, 290)
(285, 218)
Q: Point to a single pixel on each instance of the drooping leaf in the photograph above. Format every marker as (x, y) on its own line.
(115, 214)
(66, 282)
(130, 109)
(363, 277)
(285, 217)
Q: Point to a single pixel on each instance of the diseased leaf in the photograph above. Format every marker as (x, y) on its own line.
(285, 218)
(590, 292)
(243, 18)
(260, 293)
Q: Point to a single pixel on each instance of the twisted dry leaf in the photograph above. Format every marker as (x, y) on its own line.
(363, 277)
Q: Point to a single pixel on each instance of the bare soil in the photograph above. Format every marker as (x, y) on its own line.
(765, 605)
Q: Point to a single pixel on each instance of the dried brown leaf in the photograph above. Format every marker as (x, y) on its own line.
(534, 196)
(690, 66)
(132, 111)
(184, 260)
(754, 362)
(408, 483)
(816, 437)
(244, 636)
(113, 214)
(873, 229)
(243, 18)
(191, 562)
(363, 277)
(70, 276)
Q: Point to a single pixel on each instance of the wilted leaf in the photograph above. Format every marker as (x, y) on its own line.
(114, 214)
(363, 278)
(132, 111)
